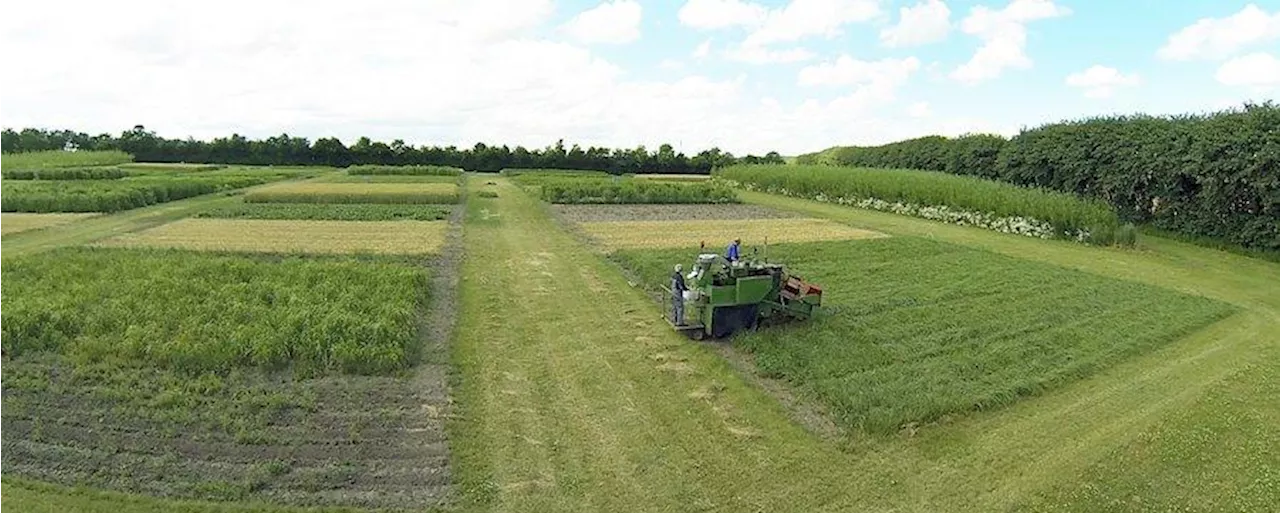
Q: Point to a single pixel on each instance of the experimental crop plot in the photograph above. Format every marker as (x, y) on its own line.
(330, 211)
(716, 233)
(674, 212)
(15, 222)
(355, 193)
(919, 330)
(290, 236)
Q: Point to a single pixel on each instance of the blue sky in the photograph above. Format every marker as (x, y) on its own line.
(625, 73)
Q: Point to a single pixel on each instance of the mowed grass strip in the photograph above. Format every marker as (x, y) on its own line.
(17, 222)
(200, 312)
(418, 193)
(329, 211)
(289, 236)
(919, 330)
(718, 232)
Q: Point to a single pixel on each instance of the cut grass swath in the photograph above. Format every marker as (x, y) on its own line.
(919, 330)
(289, 236)
(402, 193)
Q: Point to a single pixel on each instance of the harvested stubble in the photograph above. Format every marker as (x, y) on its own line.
(281, 236)
(718, 232)
(418, 193)
(15, 222)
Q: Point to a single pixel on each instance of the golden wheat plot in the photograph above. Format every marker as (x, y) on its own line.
(289, 236)
(355, 193)
(14, 222)
(717, 233)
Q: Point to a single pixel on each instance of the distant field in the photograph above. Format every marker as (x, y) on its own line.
(290, 236)
(717, 233)
(415, 193)
(387, 179)
(920, 330)
(330, 211)
(15, 222)
(57, 158)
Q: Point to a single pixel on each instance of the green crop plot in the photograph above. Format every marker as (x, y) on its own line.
(921, 330)
(57, 158)
(330, 211)
(625, 190)
(404, 170)
(202, 312)
(66, 173)
(113, 195)
(402, 193)
(171, 166)
(388, 179)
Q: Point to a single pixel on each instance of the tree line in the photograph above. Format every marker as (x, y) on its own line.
(1213, 175)
(286, 150)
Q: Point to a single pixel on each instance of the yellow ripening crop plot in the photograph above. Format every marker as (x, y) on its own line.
(717, 233)
(15, 222)
(323, 192)
(291, 236)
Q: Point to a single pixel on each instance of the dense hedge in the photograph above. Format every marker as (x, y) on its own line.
(1212, 175)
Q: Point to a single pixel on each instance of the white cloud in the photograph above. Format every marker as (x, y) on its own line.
(849, 71)
(425, 75)
(1101, 81)
(718, 14)
(671, 64)
(921, 24)
(759, 55)
(919, 110)
(1257, 70)
(703, 49)
(613, 22)
(804, 18)
(1004, 37)
(1218, 38)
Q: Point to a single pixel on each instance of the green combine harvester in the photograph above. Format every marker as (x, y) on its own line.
(725, 297)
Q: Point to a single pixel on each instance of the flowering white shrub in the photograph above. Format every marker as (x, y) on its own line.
(1017, 225)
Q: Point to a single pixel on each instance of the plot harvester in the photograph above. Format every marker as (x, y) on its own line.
(725, 297)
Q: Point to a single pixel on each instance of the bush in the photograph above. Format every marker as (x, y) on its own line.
(404, 170)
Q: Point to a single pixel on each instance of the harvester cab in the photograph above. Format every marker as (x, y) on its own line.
(724, 297)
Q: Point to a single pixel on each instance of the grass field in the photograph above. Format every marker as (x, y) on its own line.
(716, 233)
(329, 211)
(290, 236)
(15, 222)
(921, 330)
(401, 193)
(56, 158)
(568, 392)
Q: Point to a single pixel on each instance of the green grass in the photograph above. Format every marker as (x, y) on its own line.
(922, 329)
(66, 173)
(404, 170)
(58, 158)
(329, 211)
(203, 312)
(387, 179)
(631, 191)
(130, 192)
(1066, 213)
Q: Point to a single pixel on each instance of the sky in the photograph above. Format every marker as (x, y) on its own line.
(791, 76)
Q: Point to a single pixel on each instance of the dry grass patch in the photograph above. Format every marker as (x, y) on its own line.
(313, 192)
(717, 232)
(291, 236)
(14, 222)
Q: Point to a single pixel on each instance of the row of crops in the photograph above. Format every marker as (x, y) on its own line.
(587, 187)
(943, 197)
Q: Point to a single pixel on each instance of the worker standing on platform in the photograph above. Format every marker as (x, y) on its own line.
(677, 296)
(732, 253)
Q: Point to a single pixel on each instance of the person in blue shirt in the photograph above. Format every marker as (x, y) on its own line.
(732, 253)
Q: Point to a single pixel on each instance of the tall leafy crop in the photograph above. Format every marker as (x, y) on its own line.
(116, 195)
(203, 312)
(1066, 213)
(59, 158)
(66, 173)
(415, 193)
(916, 330)
(572, 190)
